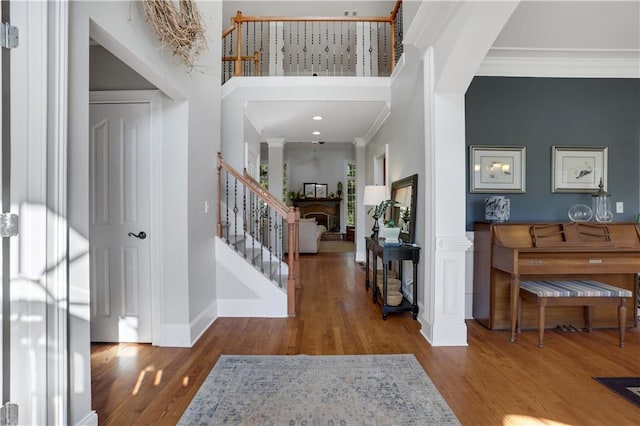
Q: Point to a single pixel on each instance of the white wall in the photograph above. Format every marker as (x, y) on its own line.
(188, 159)
(107, 72)
(318, 163)
(403, 131)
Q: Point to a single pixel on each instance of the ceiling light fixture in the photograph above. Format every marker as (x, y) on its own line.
(317, 118)
(316, 133)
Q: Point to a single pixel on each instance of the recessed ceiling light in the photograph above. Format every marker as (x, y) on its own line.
(317, 118)
(316, 133)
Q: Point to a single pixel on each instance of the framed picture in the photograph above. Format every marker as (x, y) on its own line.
(310, 190)
(578, 169)
(497, 168)
(321, 190)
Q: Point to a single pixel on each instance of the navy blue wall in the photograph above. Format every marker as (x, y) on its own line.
(541, 112)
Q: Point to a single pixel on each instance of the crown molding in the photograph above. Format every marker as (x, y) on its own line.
(378, 122)
(570, 63)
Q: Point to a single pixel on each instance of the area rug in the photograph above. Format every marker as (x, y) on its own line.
(626, 387)
(336, 246)
(318, 390)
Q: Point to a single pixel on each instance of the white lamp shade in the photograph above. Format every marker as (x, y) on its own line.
(374, 195)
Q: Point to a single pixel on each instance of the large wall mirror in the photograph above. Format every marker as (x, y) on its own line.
(405, 192)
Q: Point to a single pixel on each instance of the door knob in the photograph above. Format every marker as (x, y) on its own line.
(142, 235)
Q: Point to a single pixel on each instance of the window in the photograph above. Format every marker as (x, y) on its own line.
(351, 194)
(285, 180)
(264, 175)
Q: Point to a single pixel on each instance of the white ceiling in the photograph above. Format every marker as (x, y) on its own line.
(597, 27)
(342, 121)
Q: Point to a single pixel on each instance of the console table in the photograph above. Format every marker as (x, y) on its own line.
(392, 252)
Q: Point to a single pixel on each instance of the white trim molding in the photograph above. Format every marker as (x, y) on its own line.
(569, 63)
(455, 244)
(443, 324)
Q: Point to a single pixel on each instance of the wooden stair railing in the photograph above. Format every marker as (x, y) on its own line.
(261, 214)
(312, 45)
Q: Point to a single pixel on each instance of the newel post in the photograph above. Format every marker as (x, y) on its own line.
(237, 72)
(219, 220)
(293, 220)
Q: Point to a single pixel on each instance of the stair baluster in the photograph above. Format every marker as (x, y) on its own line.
(263, 217)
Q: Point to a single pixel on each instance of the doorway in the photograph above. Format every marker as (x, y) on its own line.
(124, 233)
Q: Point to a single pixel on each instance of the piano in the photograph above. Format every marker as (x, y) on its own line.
(507, 253)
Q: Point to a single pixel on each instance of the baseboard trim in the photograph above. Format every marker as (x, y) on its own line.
(90, 419)
(203, 321)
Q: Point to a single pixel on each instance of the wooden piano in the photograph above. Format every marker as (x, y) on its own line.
(506, 253)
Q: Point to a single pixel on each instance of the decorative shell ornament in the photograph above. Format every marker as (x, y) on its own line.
(180, 31)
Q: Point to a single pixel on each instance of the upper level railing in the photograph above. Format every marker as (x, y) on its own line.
(260, 227)
(312, 46)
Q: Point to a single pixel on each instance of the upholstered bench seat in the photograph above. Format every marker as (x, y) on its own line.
(578, 288)
(587, 293)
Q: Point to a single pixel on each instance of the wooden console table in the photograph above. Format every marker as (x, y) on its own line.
(392, 252)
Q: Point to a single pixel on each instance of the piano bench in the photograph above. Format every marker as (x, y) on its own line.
(585, 293)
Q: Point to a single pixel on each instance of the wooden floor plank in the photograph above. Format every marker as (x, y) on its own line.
(488, 382)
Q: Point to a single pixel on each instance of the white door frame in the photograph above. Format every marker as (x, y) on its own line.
(154, 99)
(43, 85)
(381, 166)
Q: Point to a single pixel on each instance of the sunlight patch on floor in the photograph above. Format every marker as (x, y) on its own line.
(520, 420)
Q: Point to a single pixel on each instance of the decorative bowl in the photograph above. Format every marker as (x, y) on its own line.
(580, 213)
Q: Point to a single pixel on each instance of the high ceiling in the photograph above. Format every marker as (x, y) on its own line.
(600, 28)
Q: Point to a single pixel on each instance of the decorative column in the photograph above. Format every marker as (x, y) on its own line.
(276, 166)
(443, 315)
(361, 218)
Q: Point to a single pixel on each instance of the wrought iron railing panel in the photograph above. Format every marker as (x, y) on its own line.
(256, 225)
(320, 46)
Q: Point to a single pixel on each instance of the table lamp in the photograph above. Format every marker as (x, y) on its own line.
(373, 196)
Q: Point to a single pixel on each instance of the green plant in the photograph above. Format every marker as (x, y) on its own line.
(379, 210)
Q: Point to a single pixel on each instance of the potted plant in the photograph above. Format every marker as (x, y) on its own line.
(290, 197)
(379, 211)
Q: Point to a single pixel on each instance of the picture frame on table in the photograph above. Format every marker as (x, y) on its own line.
(309, 190)
(321, 190)
(578, 169)
(497, 169)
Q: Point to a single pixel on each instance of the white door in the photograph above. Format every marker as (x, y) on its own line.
(120, 221)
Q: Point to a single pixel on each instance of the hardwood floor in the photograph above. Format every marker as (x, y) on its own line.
(489, 382)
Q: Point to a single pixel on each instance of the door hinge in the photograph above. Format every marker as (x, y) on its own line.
(9, 414)
(8, 225)
(8, 35)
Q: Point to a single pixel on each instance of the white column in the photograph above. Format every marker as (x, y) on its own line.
(361, 222)
(443, 312)
(276, 166)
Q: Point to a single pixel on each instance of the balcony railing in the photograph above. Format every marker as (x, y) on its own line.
(312, 46)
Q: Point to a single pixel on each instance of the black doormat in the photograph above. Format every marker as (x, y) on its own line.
(626, 387)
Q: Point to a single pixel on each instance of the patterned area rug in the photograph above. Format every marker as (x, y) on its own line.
(626, 387)
(318, 390)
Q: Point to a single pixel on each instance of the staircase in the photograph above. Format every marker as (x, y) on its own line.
(255, 230)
